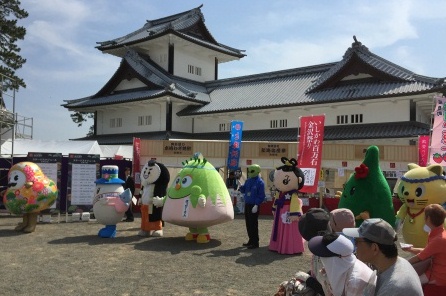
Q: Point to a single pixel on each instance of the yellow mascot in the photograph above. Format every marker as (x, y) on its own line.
(419, 187)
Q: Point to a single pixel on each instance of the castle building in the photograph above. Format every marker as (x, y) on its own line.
(168, 85)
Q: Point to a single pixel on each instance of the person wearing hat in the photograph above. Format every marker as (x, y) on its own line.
(311, 224)
(375, 244)
(254, 194)
(346, 275)
(341, 218)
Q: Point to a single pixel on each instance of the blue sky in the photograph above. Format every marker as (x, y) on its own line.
(63, 63)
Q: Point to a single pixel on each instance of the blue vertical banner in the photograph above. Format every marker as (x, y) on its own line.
(235, 145)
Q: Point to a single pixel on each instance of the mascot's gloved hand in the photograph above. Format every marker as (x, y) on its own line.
(364, 216)
(294, 218)
(202, 201)
(254, 209)
(158, 201)
(338, 194)
(398, 224)
(302, 276)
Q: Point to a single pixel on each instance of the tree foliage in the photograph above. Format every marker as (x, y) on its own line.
(80, 118)
(10, 33)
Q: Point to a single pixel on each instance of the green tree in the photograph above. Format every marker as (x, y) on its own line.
(10, 33)
(80, 118)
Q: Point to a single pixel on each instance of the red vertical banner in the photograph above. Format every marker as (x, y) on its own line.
(437, 152)
(423, 150)
(310, 150)
(136, 162)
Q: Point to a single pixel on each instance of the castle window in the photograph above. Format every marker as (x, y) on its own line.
(224, 127)
(278, 123)
(115, 122)
(342, 119)
(144, 120)
(356, 118)
(194, 70)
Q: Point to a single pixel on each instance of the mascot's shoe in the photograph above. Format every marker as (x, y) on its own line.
(203, 238)
(143, 233)
(191, 236)
(32, 222)
(109, 231)
(22, 224)
(252, 247)
(156, 233)
(20, 227)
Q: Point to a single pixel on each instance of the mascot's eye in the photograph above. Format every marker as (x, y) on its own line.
(420, 191)
(186, 181)
(98, 189)
(16, 178)
(177, 180)
(352, 191)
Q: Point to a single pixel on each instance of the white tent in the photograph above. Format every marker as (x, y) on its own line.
(23, 146)
(110, 151)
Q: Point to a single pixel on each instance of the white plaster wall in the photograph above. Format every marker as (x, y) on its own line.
(184, 58)
(180, 124)
(421, 117)
(372, 113)
(160, 55)
(130, 119)
(130, 84)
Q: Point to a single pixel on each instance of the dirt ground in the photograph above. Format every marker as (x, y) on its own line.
(70, 259)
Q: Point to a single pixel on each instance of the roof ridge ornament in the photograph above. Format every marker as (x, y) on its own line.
(356, 43)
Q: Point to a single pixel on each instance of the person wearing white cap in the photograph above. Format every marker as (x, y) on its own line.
(375, 244)
(346, 275)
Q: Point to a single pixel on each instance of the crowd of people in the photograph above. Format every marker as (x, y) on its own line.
(349, 260)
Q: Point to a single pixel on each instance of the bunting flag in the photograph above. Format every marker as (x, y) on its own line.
(423, 150)
(437, 153)
(310, 150)
(235, 145)
(136, 162)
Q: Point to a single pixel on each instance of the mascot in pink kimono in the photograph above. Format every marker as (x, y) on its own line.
(287, 208)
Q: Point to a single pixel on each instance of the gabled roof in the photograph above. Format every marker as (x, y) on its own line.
(387, 130)
(359, 60)
(158, 83)
(188, 25)
(319, 84)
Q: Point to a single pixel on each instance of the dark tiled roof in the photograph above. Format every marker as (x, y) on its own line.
(388, 130)
(160, 83)
(178, 24)
(279, 89)
(305, 86)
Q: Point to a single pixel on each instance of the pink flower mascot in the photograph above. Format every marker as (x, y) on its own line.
(287, 208)
(29, 192)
